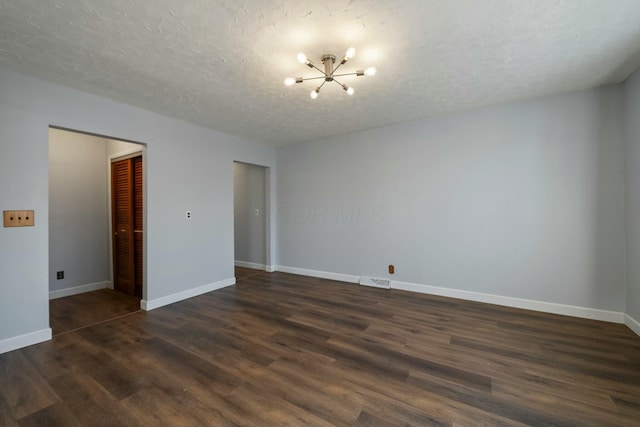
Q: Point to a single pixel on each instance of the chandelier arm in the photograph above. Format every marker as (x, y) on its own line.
(347, 89)
(338, 66)
(345, 74)
(313, 78)
(312, 65)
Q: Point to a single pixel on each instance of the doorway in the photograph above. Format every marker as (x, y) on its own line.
(80, 228)
(251, 218)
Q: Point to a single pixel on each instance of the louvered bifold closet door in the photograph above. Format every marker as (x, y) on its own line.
(138, 225)
(123, 226)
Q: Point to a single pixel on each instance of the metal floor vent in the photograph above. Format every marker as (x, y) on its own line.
(376, 283)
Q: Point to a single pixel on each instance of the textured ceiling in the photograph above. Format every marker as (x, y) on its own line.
(220, 64)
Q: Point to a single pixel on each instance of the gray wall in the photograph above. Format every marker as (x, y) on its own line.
(187, 168)
(117, 147)
(523, 200)
(249, 189)
(632, 110)
(78, 213)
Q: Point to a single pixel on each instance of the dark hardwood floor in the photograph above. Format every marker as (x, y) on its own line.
(279, 349)
(244, 273)
(79, 311)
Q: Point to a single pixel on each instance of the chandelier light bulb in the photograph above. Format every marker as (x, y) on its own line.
(314, 94)
(371, 71)
(348, 89)
(289, 81)
(351, 52)
(302, 58)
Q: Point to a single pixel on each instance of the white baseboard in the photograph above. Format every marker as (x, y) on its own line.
(543, 306)
(25, 340)
(189, 293)
(253, 265)
(320, 274)
(79, 289)
(632, 323)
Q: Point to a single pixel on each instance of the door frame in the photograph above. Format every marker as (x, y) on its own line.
(270, 262)
(140, 149)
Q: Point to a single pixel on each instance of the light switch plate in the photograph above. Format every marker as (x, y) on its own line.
(18, 218)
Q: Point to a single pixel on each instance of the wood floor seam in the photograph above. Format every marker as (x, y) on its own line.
(99, 322)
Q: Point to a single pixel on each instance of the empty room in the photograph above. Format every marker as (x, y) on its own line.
(337, 213)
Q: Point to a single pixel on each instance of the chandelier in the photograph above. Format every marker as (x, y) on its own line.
(329, 72)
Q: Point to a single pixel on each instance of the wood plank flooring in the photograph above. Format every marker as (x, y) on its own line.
(79, 311)
(280, 349)
(244, 273)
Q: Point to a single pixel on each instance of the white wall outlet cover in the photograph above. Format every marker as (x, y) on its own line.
(187, 215)
(257, 212)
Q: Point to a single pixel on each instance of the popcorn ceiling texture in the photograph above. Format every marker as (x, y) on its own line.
(220, 64)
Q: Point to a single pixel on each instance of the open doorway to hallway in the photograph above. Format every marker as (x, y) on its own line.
(82, 248)
(250, 203)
